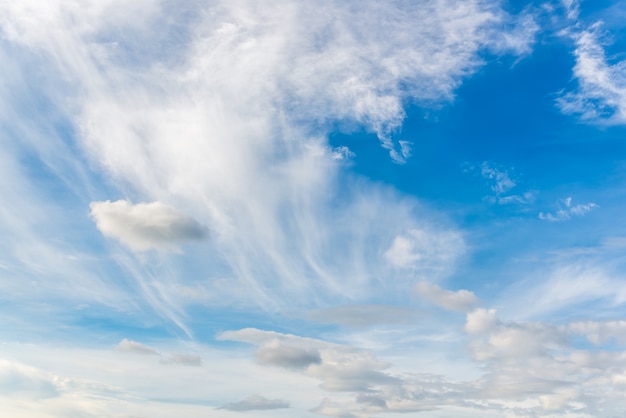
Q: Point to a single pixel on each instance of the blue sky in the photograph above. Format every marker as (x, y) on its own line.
(283, 209)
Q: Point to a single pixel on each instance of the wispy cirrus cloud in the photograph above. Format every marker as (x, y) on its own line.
(502, 182)
(224, 112)
(600, 96)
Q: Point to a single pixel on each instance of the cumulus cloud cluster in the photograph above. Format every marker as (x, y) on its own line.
(530, 369)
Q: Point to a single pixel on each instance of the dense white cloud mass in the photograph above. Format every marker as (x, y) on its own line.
(145, 225)
(223, 113)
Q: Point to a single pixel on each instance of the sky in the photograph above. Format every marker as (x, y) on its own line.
(299, 209)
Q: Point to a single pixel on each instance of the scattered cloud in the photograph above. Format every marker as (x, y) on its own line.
(601, 93)
(145, 226)
(429, 251)
(342, 153)
(286, 355)
(530, 369)
(501, 184)
(599, 332)
(567, 211)
(572, 8)
(130, 346)
(183, 359)
(461, 300)
(255, 402)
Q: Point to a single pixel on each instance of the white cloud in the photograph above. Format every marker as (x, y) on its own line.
(567, 211)
(530, 369)
(342, 153)
(461, 300)
(134, 347)
(502, 183)
(559, 288)
(255, 402)
(340, 368)
(183, 359)
(599, 332)
(130, 346)
(430, 252)
(480, 321)
(601, 94)
(143, 226)
(572, 8)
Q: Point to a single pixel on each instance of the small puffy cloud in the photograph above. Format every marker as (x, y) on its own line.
(461, 300)
(359, 316)
(134, 347)
(145, 226)
(481, 321)
(255, 402)
(290, 356)
(426, 250)
(276, 349)
(342, 153)
(567, 211)
(183, 359)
